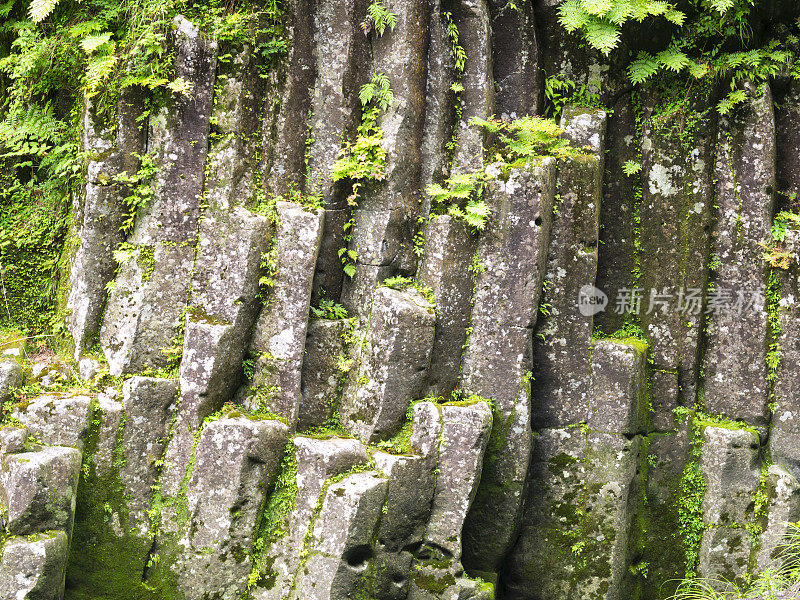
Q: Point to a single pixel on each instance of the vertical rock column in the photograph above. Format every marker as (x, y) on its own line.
(512, 254)
(735, 360)
(562, 344)
(577, 528)
(101, 216)
(385, 218)
(280, 335)
(675, 214)
(152, 287)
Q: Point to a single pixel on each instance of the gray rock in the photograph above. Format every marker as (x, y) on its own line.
(334, 107)
(236, 463)
(724, 554)
(179, 138)
(783, 508)
(449, 251)
(11, 376)
(38, 489)
(12, 439)
(149, 404)
(57, 420)
(515, 58)
(107, 420)
(562, 343)
(32, 567)
(473, 22)
(280, 333)
(735, 362)
(102, 214)
(618, 398)
(328, 275)
(88, 367)
(342, 536)
(616, 252)
(465, 434)
(391, 364)
(317, 461)
(730, 466)
(664, 398)
(325, 348)
(145, 306)
(497, 360)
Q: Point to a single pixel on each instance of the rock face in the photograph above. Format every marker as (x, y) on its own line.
(586, 396)
(11, 375)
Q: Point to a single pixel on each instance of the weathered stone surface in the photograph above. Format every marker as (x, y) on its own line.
(236, 462)
(145, 306)
(449, 251)
(38, 489)
(783, 508)
(208, 377)
(12, 439)
(735, 361)
(148, 403)
(107, 419)
(664, 399)
(582, 489)
(392, 364)
(675, 215)
(32, 567)
(787, 145)
(731, 469)
(228, 267)
(472, 19)
(317, 461)
(563, 334)
(102, 213)
(285, 127)
(618, 398)
(465, 435)
(439, 99)
(328, 275)
(515, 58)
(340, 46)
(342, 538)
(724, 553)
(497, 360)
(11, 376)
(616, 253)
(280, 333)
(552, 522)
(179, 138)
(56, 420)
(325, 348)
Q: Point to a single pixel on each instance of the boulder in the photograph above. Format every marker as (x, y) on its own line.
(57, 420)
(38, 489)
(783, 508)
(618, 397)
(32, 567)
(391, 364)
(724, 554)
(12, 439)
(280, 332)
(11, 376)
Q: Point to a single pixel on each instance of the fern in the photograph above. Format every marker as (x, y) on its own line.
(93, 42)
(378, 18)
(631, 167)
(379, 90)
(41, 9)
(641, 69)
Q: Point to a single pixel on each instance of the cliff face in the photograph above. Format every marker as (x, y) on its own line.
(303, 377)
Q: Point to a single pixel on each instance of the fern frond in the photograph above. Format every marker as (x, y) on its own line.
(721, 6)
(367, 93)
(631, 167)
(41, 9)
(571, 15)
(98, 70)
(93, 42)
(673, 59)
(596, 8)
(641, 69)
(602, 35)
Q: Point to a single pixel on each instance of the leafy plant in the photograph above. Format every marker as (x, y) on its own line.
(463, 197)
(378, 19)
(330, 310)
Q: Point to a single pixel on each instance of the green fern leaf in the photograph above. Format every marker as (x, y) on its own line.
(571, 16)
(673, 59)
(98, 70)
(675, 16)
(93, 42)
(722, 6)
(596, 8)
(698, 70)
(631, 167)
(41, 9)
(602, 35)
(367, 93)
(641, 69)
